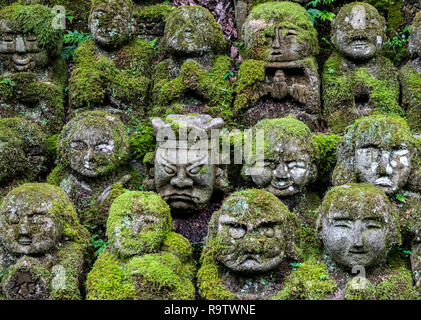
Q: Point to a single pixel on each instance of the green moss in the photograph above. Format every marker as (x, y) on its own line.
(178, 245)
(327, 161)
(411, 95)
(397, 286)
(310, 281)
(143, 140)
(341, 87)
(391, 10)
(359, 288)
(158, 12)
(212, 85)
(34, 19)
(57, 175)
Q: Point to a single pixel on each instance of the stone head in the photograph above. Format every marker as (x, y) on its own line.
(357, 225)
(28, 40)
(192, 31)
(255, 231)
(138, 223)
(112, 22)
(414, 47)
(32, 218)
(358, 31)
(290, 154)
(93, 144)
(378, 150)
(185, 175)
(279, 32)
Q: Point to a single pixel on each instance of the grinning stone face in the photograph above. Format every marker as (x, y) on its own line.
(91, 150)
(359, 34)
(28, 226)
(387, 169)
(19, 51)
(184, 178)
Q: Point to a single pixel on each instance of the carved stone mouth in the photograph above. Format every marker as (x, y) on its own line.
(25, 241)
(250, 258)
(281, 185)
(383, 182)
(357, 251)
(179, 196)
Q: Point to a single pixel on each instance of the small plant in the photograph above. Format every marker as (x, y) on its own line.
(8, 81)
(295, 266)
(73, 39)
(318, 10)
(400, 197)
(97, 244)
(229, 75)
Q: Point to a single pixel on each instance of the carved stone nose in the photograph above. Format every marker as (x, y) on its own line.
(181, 180)
(384, 167)
(358, 239)
(20, 45)
(281, 171)
(276, 43)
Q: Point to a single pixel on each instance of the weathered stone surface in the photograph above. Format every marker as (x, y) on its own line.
(41, 244)
(144, 260)
(184, 173)
(281, 76)
(249, 240)
(357, 81)
(33, 75)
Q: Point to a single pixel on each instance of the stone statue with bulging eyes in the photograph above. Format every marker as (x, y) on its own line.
(42, 245)
(183, 172)
(358, 81)
(23, 153)
(93, 151)
(113, 69)
(193, 77)
(250, 241)
(143, 252)
(410, 77)
(279, 76)
(288, 164)
(33, 74)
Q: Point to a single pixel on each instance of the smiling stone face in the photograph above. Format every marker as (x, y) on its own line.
(277, 32)
(289, 157)
(27, 222)
(111, 22)
(358, 31)
(138, 223)
(357, 225)
(251, 225)
(94, 143)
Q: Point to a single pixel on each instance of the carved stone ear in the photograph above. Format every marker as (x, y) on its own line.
(157, 124)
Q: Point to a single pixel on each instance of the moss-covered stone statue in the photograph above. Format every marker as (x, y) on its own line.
(113, 70)
(357, 81)
(42, 245)
(144, 259)
(24, 155)
(185, 169)
(279, 76)
(410, 77)
(33, 74)
(250, 243)
(380, 150)
(358, 227)
(288, 165)
(193, 78)
(93, 151)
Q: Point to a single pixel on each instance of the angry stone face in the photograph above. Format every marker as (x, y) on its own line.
(357, 225)
(28, 224)
(358, 31)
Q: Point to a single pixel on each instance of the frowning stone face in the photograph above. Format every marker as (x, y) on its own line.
(358, 31)
(111, 22)
(357, 225)
(28, 224)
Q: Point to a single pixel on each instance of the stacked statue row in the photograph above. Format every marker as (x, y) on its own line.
(279, 76)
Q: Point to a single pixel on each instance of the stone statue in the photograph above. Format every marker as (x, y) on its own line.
(279, 76)
(151, 261)
(184, 171)
(113, 70)
(357, 81)
(23, 153)
(288, 165)
(42, 245)
(33, 74)
(93, 152)
(410, 77)
(250, 240)
(194, 76)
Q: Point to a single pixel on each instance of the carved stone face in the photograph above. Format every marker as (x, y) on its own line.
(357, 228)
(414, 46)
(387, 169)
(91, 150)
(286, 172)
(184, 178)
(110, 28)
(26, 225)
(19, 51)
(358, 31)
